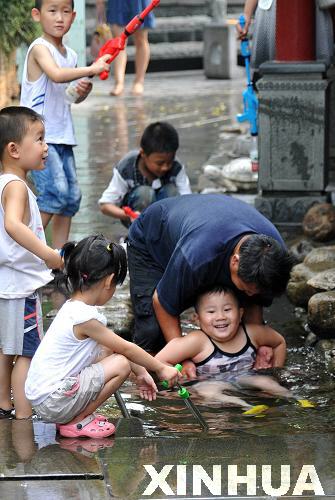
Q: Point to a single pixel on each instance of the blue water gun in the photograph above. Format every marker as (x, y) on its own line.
(250, 101)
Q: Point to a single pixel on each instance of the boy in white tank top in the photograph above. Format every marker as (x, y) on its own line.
(48, 69)
(25, 258)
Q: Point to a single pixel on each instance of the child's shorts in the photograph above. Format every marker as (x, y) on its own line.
(57, 186)
(72, 395)
(21, 325)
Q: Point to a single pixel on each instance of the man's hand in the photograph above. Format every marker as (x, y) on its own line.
(146, 386)
(189, 370)
(264, 358)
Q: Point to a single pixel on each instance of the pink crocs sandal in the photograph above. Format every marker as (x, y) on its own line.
(97, 416)
(90, 426)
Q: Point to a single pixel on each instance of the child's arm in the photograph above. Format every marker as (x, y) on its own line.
(114, 211)
(264, 335)
(102, 335)
(15, 201)
(183, 182)
(183, 348)
(115, 192)
(144, 382)
(40, 57)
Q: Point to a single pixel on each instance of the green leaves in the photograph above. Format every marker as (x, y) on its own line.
(16, 24)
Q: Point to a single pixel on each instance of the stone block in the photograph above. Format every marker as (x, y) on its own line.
(220, 51)
(321, 314)
(293, 127)
(286, 208)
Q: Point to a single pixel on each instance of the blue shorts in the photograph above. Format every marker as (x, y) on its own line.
(122, 11)
(57, 187)
(31, 333)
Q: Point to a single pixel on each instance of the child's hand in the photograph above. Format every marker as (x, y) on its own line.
(54, 260)
(100, 65)
(146, 386)
(170, 374)
(83, 88)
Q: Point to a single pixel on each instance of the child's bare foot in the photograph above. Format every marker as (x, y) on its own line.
(117, 90)
(138, 88)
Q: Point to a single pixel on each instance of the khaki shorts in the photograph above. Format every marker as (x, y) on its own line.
(72, 395)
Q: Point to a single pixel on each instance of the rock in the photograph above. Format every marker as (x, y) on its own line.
(319, 222)
(212, 172)
(119, 313)
(204, 184)
(323, 281)
(242, 145)
(301, 249)
(320, 259)
(325, 345)
(321, 314)
(298, 291)
(311, 340)
(239, 172)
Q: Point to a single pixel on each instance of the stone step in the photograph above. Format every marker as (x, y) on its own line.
(177, 40)
(168, 29)
(170, 56)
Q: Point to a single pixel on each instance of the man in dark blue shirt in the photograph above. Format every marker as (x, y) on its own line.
(180, 246)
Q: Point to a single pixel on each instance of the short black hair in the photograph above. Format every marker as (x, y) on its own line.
(212, 290)
(266, 263)
(159, 137)
(14, 124)
(39, 3)
(89, 261)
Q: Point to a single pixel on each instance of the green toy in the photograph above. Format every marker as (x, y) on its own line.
(185, 395)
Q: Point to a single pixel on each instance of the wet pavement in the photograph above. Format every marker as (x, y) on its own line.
(166, 454)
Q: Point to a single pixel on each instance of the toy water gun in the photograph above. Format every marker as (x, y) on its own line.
(115, 45)
(185, 395)
(250, 101)
(130, 212)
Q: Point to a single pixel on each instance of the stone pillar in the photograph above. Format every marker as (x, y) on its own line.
(293, 119)
(294, 116)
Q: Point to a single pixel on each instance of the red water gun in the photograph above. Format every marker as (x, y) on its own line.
(131, 214)
(114, 45)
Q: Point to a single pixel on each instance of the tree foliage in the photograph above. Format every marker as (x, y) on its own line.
(16, 24)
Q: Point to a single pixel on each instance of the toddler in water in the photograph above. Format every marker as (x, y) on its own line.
(80, 362)
(225, 347)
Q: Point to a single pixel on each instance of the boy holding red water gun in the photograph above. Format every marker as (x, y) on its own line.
(49, 67)
(146, 175)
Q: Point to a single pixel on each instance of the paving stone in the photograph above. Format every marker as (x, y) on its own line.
(54, 490)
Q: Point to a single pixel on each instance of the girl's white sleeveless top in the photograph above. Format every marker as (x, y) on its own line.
(48, 98)
(21, 272)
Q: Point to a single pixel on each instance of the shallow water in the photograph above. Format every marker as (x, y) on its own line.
(305, 374)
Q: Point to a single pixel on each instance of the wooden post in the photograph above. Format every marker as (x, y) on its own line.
(295, 30)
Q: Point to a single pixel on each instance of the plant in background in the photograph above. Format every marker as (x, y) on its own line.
(16, 24)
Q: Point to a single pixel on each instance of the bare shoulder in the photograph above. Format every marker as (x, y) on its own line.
(90, 328)
(263, 335)
(39, 50)
(15, 188)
